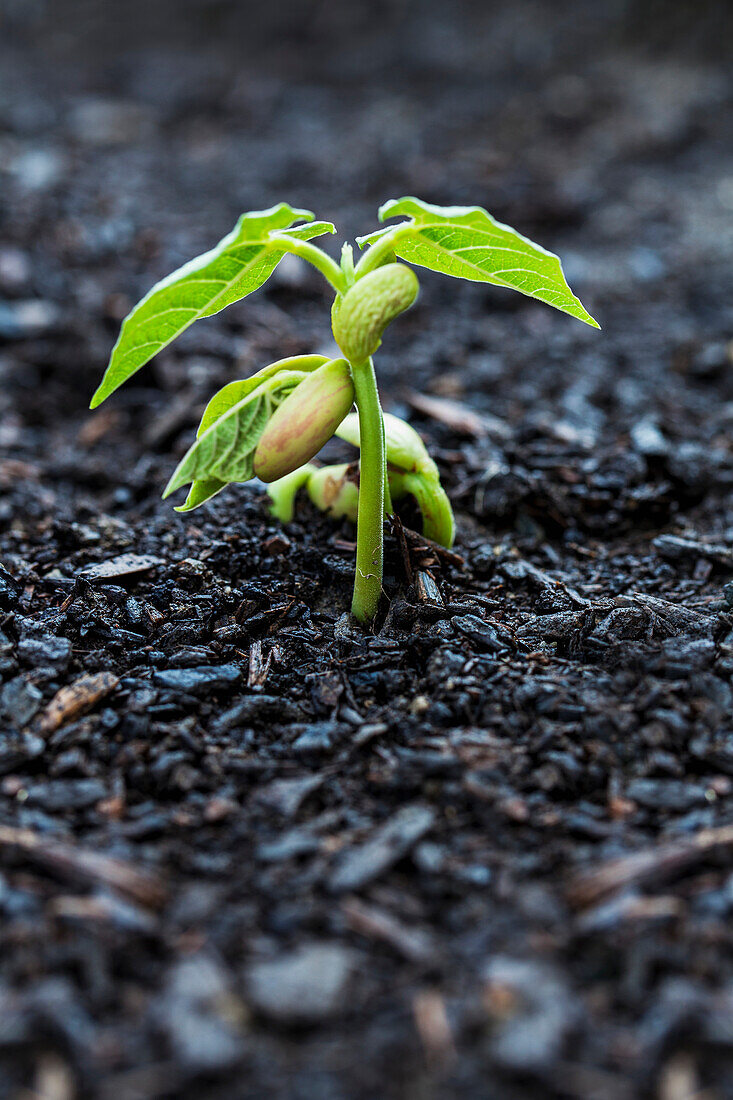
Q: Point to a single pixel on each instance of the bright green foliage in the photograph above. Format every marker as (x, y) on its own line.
(225, 451)
(201, 491)
(307, 232)
(467, 243)
(235, 392)
(239, 264)
(225, 399)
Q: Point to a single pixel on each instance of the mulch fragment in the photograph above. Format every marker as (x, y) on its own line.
(78, 698)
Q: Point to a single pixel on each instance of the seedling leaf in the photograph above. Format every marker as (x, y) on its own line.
(231, 395)
(200, 492)
(468, 243)
(235, 392)
(308, 232)
(239, 264)
(224, 452)
(371, 238)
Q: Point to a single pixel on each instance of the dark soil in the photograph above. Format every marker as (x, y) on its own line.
(246, 850)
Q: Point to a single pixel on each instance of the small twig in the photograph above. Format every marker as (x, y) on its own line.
(81, 865)
(399, 533)
(649, 866)
(418, 541)
(258, 666)
(76, 699)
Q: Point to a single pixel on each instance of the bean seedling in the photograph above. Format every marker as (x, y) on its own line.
(273, 423)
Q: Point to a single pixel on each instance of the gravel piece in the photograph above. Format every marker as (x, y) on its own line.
(387, 845)
(199, 680)
(303, 987)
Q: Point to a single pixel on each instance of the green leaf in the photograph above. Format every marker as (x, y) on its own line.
(225, 451)
(308, 232)
(239, 264)
(467, 243)
(200, 492)
(372, 238)
(225, 399)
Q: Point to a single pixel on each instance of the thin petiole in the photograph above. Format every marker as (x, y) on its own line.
(315, 256)
(377, 254)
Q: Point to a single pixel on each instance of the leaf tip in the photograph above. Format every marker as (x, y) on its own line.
(174, 483)
(385, 208)
(103, 390)
(588, 319)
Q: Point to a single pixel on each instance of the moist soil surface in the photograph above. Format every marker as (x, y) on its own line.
(247, 849)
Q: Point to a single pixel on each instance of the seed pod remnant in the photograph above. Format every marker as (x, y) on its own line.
(333, 489)
(305, 421)
(360, 316)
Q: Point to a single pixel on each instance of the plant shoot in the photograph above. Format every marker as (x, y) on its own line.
(273, 423)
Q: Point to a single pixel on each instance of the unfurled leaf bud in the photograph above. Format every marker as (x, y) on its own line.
(332, 489)
(305, 421)
(360, 317)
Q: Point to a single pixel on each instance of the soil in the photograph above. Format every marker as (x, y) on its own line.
(247, 850)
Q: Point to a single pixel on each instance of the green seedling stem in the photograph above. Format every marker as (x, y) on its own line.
(373, 489)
